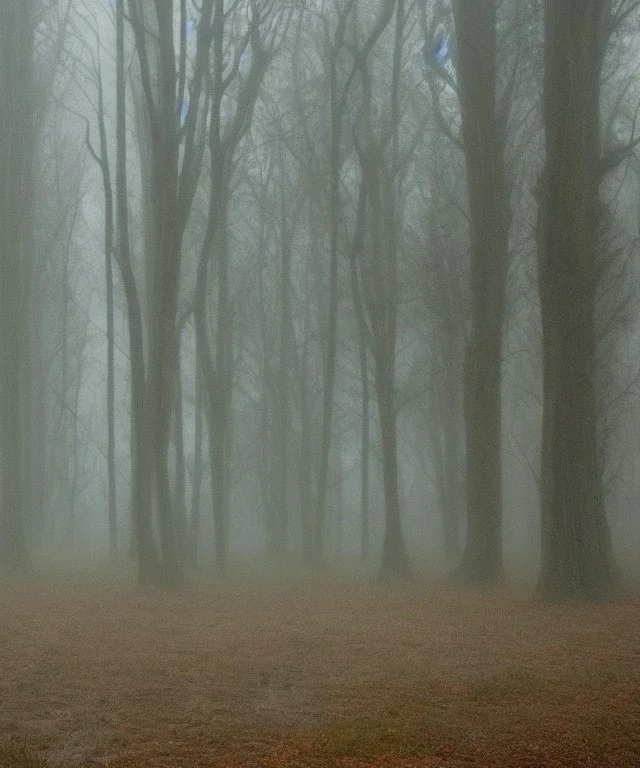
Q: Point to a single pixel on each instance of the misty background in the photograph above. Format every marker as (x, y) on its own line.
(272, 279)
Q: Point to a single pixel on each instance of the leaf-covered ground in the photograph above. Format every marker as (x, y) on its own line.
(315, 672)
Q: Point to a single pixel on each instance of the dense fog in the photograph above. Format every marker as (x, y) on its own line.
(343, 284)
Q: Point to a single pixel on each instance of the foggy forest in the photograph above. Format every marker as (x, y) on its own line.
(320, 377)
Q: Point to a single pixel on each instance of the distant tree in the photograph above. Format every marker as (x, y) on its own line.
(102, 159)
(148, 562)
(257, 40)
(375, 255)
(25, 88)
(338, 92)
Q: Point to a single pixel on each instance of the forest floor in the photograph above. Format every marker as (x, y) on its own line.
(314, 672)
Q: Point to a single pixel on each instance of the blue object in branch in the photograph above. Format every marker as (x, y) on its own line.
(189, 28)
(183, 111)
(441, 48)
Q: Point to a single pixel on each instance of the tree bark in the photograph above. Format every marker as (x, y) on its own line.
(194, 528)
(179, 501)
(148, 565)
(103, 162)
(17, 152)
(490, 219)
(577, 560)
(111, 432)
(281, 510)
(365, 450)
(451, 439)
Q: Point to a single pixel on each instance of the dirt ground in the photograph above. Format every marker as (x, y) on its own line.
(315, 672)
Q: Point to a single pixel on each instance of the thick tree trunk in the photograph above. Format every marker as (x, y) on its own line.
(577, 561)
(215, 370)
(160, 404)
(17, 149)
(490, 218)
(395, 562)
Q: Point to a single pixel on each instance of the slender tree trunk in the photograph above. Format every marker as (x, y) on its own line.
(386, 211)
(490, 219)
(148, 565)
(282, 514)
(330, 345)
(221, 408)
(266, 457)
(179, 502)
(168, 211)
(306, 462)
(72, 532)
(31, 374)
(451, 435)
(365, 447)
(111, 431)
(194, 530)
(64, 405)
(103, 161)
(438, 464)
(577, 560)
(339, 504)
(365, 450)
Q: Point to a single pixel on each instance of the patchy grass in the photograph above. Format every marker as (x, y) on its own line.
(275, 672)
(504, 684)
(16, 754)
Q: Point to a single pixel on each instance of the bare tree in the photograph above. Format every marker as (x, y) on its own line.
(148, 564)
(260, 38)
(23, 100)
(375, 254)
(175, 153)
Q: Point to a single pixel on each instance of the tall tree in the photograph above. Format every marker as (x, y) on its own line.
(577, 560)
(18, 22)
(148, 564)
(175, 153)
(483, 132)
(258, 41)
(375, 252)
(103, 162)
(337, 97)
